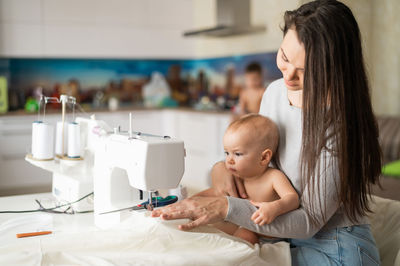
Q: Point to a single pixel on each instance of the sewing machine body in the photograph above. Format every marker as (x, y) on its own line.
(124, 165)
(115, 166)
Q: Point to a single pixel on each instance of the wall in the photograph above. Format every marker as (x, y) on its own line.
(380, 29)
(386, 56)
(263, 12)
(95, 28)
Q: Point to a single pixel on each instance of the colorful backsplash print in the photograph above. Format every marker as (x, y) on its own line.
(129, 75)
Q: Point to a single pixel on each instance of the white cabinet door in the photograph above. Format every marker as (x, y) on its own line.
(117, 29)
(201, 133)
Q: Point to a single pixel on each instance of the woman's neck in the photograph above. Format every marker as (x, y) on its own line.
(295, 98)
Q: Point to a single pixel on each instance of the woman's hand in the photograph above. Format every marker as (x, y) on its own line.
(202, 210)
(225, 183)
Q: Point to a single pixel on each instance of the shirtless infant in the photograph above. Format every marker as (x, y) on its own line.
(249, 144)
(250, 97)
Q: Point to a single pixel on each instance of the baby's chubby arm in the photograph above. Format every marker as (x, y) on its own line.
(289, 200)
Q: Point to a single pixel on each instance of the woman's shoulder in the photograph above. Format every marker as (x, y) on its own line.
(278, 84)
(275, 88)
(272, 95)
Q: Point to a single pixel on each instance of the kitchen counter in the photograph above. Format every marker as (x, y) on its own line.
(122, 109)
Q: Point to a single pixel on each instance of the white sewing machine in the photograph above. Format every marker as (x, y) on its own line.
(117, 166)
(127, 163)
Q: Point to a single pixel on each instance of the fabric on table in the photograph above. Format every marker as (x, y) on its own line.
(142, 240)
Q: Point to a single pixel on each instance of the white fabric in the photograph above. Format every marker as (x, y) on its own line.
(141, 240)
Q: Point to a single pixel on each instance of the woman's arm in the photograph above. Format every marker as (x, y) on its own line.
(298, 223)
(295, 224)
(211, 192)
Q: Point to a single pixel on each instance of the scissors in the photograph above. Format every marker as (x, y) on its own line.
(157, 202)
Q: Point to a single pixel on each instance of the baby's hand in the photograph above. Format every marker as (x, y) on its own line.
(265, 214)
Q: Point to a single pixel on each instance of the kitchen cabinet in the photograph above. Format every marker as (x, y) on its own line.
(201, 132)
(117, 29)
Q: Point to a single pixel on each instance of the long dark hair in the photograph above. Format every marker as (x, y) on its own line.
(337, 112)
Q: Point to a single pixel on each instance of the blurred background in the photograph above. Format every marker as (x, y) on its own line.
(191, 55)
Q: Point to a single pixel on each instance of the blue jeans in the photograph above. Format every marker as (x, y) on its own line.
(353, 245)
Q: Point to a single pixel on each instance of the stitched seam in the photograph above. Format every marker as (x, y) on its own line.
(359, 254)
(356, 235)
(339, 247)
(363, 251)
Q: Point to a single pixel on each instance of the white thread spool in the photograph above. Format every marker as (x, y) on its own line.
(59, 137)
(42, 141)
(74, 140)
(34, 136)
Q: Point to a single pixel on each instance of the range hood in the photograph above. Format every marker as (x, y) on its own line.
(233, 18)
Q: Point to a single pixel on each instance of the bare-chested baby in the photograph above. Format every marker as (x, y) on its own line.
(249, 144)
(250, 97)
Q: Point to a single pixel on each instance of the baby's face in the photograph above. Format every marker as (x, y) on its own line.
(243, 155)
(253, 80)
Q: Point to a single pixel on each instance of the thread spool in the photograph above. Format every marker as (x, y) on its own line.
(34, 136)
(74, 140)
(59, 137)
(42, 141)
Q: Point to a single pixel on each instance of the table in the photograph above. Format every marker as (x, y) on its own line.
(61, 223)
(137, 240)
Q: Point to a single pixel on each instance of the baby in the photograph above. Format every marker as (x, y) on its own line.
(250, 97)
(249, 144)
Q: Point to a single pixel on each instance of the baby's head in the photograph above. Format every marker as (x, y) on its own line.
(249, 144)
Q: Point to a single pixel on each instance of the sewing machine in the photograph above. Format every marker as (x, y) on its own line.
(117, 166)
(127, 163)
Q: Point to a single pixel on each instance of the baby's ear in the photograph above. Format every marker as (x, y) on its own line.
(266, 157)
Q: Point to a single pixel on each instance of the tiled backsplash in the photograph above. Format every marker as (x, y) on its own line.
(124, 78)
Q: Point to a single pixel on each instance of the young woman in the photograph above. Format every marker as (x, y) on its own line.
(328, 144)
